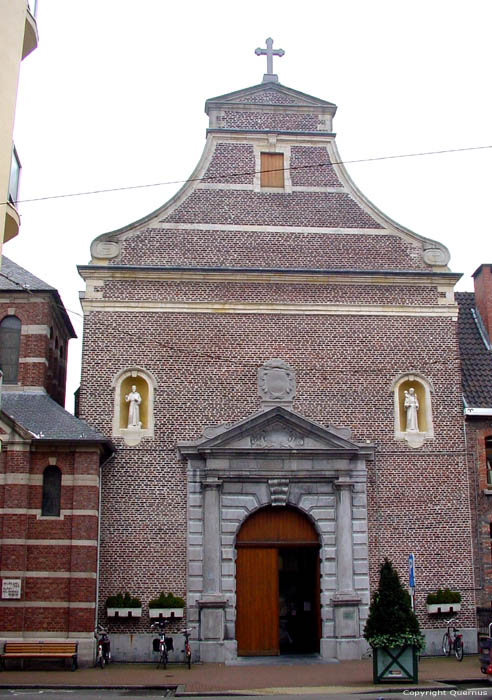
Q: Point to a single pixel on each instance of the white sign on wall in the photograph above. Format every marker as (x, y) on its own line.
(11, 587)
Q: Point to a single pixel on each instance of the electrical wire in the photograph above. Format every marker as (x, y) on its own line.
(217, 178)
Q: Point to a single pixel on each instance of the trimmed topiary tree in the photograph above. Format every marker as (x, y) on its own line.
(391, 621)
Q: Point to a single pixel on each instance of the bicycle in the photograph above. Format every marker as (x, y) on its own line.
(103, 652)
(187, 649)
(164, 644)
(452, 641)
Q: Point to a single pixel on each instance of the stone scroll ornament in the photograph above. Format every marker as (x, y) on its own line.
(276, 383)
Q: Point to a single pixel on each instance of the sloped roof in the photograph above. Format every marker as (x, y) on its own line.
(14, 278)
(44, 419)
(476, 358)
(262, 94)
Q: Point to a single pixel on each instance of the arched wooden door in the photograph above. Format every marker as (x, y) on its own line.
(277, 547)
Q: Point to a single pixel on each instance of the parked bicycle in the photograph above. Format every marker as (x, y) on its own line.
(452, 641)
(103, 649)
(187, 649)
(164, 644)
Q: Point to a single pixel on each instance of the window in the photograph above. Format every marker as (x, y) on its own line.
(272, 170)
(51, 492)
(488, 457)
(10, 331)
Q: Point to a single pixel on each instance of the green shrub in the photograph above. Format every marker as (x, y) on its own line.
(167, 601)
(391, 621)
(443, 596)
(123, 601)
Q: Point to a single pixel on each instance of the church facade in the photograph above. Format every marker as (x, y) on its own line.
(276, 362)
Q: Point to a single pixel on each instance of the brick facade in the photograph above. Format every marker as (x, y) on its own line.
(53, 557)
(227, 276)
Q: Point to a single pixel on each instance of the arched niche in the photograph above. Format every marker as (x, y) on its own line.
(406, 388)
(134, 380)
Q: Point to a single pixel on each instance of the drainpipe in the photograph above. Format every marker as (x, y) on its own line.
(99, 538)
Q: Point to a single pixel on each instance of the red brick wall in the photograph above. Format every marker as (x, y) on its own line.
(44, 546)
(37, 309)
(483, 294)
(478, 429)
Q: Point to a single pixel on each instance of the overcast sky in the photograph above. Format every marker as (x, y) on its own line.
(114, 97)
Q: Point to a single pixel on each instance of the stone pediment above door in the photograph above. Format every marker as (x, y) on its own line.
(278, 431)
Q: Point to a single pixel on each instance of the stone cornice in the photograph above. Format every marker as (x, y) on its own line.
(267, 275)
(144, 306)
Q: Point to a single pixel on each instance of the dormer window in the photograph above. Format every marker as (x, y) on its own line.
(272, 169)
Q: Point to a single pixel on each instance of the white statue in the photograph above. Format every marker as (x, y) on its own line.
(411, 408)
(134, 399)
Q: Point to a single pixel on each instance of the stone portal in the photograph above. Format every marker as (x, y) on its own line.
(281, 460)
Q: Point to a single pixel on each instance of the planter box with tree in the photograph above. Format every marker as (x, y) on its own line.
(166, 606)
(123, 606)
(392, 630)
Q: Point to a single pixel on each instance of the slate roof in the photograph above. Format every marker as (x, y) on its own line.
(45, 419)
(476, 358)
(14, 278)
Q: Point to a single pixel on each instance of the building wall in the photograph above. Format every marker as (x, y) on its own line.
(44, 342)
(15, 23)
(228, 275)
(205, 367)
(477, 431)
(54, 557)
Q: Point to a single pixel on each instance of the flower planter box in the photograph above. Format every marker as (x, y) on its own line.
(166, 612)
(436, 608)
(124, 612)
(395, 664)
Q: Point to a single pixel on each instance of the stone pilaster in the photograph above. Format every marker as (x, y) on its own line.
(212, 603)
(346, 600)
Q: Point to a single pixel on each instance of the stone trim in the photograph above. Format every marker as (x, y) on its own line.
(48, 574)
(49, 543)
(45, 604)
(37, 479)
(443, 311)
(35, 330)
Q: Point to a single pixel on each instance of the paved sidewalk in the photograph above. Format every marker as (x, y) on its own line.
(329, 678)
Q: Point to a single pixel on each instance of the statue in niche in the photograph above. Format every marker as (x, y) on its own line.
(134, 399)
(411, 404)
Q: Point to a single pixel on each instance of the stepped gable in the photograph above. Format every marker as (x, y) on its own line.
(226, 215)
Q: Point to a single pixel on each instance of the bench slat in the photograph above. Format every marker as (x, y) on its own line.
(40, 650)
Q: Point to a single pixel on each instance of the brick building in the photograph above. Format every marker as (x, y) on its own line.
(277, 363)
(49, 474)
(474, 333)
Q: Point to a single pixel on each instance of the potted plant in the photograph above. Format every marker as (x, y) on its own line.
(166, 606)
(120, 605)
(443, 601)
(392, 630)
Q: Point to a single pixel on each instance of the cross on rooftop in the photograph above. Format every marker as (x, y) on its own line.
(269, 52)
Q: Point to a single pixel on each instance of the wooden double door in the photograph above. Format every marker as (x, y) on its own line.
(277, 584)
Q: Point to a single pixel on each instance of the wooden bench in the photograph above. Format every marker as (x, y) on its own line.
(40, 650)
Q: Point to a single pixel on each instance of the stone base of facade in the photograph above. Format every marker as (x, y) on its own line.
(135, 648)
(433, 640)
